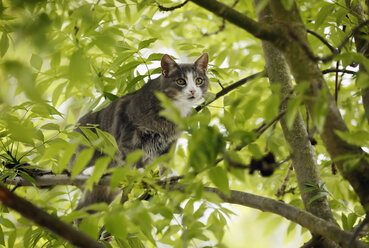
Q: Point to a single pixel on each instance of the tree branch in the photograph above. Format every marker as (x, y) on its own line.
(222, 27)
(324, 41)
(298, 61)
(303, 155)
(336, 51)
(282, 190)
(162, 8)
(334, 70)
(231, 87)
(362, 46)
(304, 218)
(361, 229)
(262, 31)
(50, 222)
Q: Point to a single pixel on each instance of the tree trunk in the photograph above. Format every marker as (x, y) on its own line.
(304, 69)
(303, 156)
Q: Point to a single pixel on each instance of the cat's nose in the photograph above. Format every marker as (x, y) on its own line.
(192, 91)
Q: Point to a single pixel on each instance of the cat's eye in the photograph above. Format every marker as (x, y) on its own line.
(181, 82)
(199, 81)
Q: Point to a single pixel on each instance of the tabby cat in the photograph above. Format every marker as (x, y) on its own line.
(134, 120)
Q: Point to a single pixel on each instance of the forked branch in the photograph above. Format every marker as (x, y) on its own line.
(262, 31)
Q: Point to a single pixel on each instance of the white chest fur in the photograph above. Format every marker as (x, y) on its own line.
(184, 107)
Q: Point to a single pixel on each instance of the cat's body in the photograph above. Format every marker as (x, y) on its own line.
(134, 120)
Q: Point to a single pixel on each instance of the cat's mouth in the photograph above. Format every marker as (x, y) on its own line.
(191, 97)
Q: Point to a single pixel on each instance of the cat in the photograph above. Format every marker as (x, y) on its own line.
(134, 120)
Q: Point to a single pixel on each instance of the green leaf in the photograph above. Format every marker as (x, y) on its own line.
(250, 107)
(318, 196)
(2, 242)
(82, 160)
(115, 222)
(57, 93)
(25, 78)
(66, 156)
(135, 242)
(51, 126)
(89, 225)
(127, 12)
(11, 239)
(144, 221)
(261, 5)
(146, 43)
(127, 67)
(357, 138)
(27, 177)
(132, 242)
(345, 225)
(134, 156)
(310, 184)
(122, 57)
(292, 110)
(45, 110)
(36, 61)
(97, 207)
(287, 4)
(271, 107)
(218, 176)
(351, 220)
(21, 131)
(308, 189)
(55, 60)
(119, 174)
(320, 111)
(109, 140)
(169, 111)
(90, 135)
(101, 165)
(155, 57)
(323, 13)
(79, 67)
(4, 44)
(110, 96)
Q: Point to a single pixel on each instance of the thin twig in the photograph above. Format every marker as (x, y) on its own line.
(282, 190)
(336, 51)
(325, 42)
(275, 120)
(336, 83)
(235, 164)
(221, 85)
(162, 8)
(334, 70)
(357, 230)
(221, 27)
(231, 87)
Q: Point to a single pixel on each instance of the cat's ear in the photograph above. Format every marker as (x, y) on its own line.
(202, 62)
(167, 64)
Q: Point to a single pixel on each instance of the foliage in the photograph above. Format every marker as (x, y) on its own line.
(62, 59)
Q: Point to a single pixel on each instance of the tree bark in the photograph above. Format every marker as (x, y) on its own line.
(304, 69)
(50, 222)
(303, 156)
(362, 46)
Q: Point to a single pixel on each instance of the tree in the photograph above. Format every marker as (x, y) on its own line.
(280, 134)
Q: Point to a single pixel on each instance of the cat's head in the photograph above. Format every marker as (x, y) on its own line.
(185, 84)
